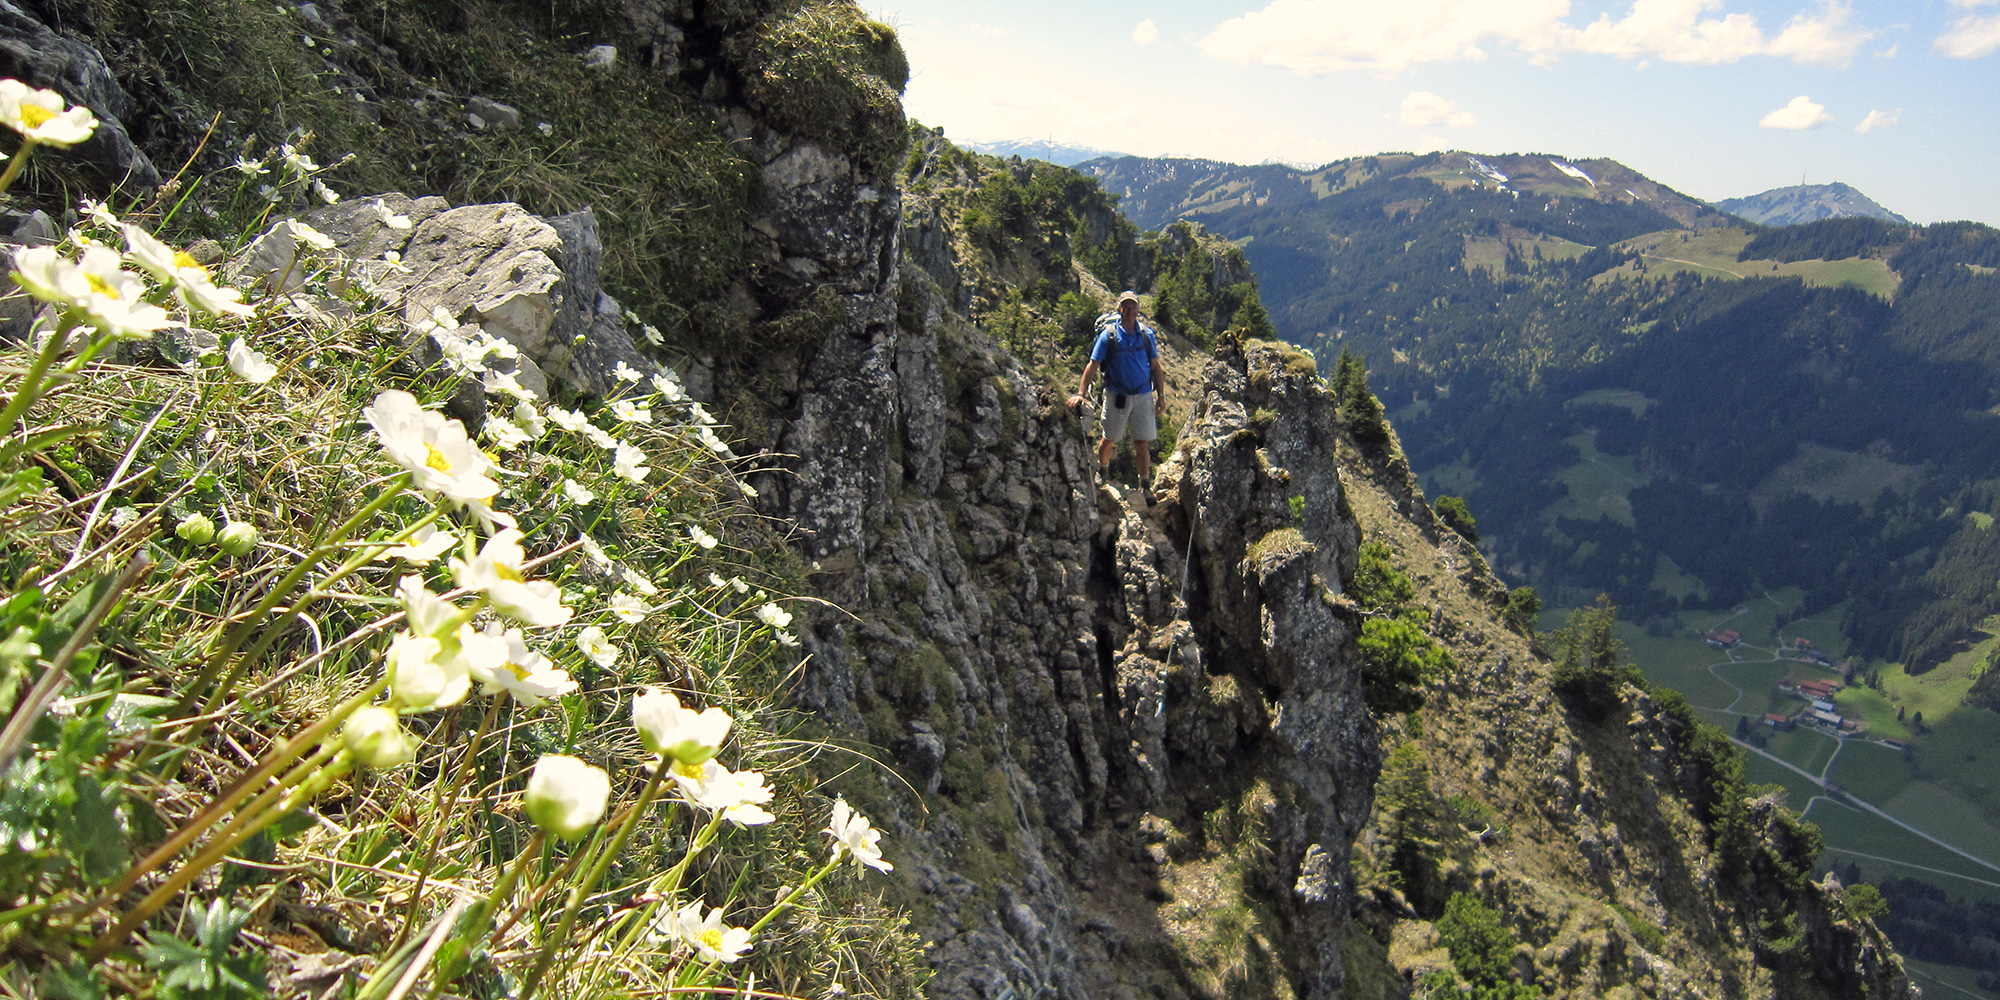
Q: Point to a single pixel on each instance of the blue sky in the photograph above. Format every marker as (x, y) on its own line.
(1715, 98)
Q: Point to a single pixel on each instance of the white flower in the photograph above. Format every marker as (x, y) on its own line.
(714, 442)
(545, 128)
(670, 730)
(653, 334)
(267, 192)
(326, 194)
(496, 572)
(376, 738)
(715, 580)
(852, 835)
(426, 613)
(395, 261)
(42, 116)
(508, 383)
(774, 616)
(738, 795)
(625, 462)
(188, 278)
(701, 538)
(299, 162)
(736, 582)
(309, 236)
(669, 385)
(388, 216)
(425, 545)
(599, 436)
(505, 434)
(630, 412)
(747, 489)
(709, 938)
(786, 639)
(596, 647)
(107, 297)
(566, 796)
(250, 168)
(200, 295)
(626, 373)
(248, 364)
(595, 552)
(628, 609)
(530, 420)
(700, 415)
(436, 451)
(570, 420)
(639, 583)
(525, 674)
(422, 677)
(577, 494)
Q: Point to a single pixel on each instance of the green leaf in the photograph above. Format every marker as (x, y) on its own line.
(23, 483)
(91, 833)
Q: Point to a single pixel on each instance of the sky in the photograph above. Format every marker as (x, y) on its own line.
(1714, 98)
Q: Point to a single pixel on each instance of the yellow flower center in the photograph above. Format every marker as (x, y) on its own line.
(99, 285)
(687, 770)
(35, 116)
(437, 459)
(506, 572)
(712, 937)
(181, 259)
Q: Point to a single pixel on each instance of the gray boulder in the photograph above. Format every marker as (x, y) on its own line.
(37, 56)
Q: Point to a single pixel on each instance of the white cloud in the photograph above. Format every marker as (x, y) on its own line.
(1325, 36)
(1800, 113)
(1970, 37)
(1146, 33)
(987, 30)
(1425, 108)
(1879, 119)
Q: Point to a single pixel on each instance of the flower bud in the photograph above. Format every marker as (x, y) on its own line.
(376, 738)
(566, 796)
(684, 734)
(196, 528)
(237, 538)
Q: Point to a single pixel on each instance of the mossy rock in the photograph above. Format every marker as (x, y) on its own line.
(826, 71)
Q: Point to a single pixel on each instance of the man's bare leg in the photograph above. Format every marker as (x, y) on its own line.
(1142, 455)
(1104, 456)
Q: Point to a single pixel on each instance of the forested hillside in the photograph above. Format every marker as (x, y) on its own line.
(1639, 395)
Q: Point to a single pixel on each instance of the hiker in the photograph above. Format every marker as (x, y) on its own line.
(1134, 387)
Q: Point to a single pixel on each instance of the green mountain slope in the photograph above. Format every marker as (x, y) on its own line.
(1639, 396)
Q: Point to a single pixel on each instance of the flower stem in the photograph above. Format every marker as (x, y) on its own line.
(589, 881)
(793, 896)
(31, 382)
(215, 852)
(14, 166)
(236, 793)
(437, 807)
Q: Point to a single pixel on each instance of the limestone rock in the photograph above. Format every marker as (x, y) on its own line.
(35, 55)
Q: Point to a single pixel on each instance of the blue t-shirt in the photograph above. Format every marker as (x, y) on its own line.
(1128, 364)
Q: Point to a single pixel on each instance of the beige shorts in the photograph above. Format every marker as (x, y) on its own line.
(1136, 416)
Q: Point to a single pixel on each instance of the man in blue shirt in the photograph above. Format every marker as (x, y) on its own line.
(1134, 387)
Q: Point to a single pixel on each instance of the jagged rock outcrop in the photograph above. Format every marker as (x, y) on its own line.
(30, 51)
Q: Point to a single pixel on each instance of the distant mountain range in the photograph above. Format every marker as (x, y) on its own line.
(1061, 154)
(1789, 206)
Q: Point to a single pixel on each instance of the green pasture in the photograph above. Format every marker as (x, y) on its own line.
(1806, 748)
(1864, 273)
(1823, 629)
(1962, 753)
(1713, 253)
(1671, 580)
(1850, 829)
(1454, 480)
(1600, 485)
(1798, 791)
(1948, 816)
(1944, 982)
(1630, 399)
(1872, 771)
(1831, 475)
(1678, 662)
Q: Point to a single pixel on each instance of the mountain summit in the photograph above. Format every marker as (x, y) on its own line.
(1789, 206)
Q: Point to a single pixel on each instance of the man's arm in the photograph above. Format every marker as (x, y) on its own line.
(1159, 386)
(1083, 387)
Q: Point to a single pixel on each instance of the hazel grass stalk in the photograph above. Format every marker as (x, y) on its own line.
(307, 787)
(235, 793)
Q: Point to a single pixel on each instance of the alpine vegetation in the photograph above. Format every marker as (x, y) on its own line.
(484, 703)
